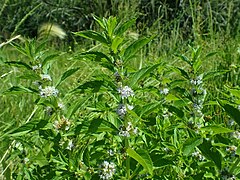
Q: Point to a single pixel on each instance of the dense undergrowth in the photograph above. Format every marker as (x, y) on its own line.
(121, 105)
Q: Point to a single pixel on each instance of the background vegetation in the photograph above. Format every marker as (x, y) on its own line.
(184, 72)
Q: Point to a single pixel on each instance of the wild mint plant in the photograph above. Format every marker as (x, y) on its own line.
(124, 118)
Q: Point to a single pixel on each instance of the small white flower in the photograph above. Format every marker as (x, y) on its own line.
(121, 110)
(46, 77)
(124, 133)
(125, 92)
(70, 145)
(165, 91)
(36, 67)
(236, 134)
(107, 170)
(198, 155)
(25, 160)
(196, 81)
(111, 152)
(127, 131)
(49, 91)
(61, 105)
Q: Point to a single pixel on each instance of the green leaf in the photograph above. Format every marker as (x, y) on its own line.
(76, 106)
(183, 72)
(184, 58)
(143, 158)
(95, 123)
(19, 89)
(95, 85)
(148, 108)
(213, 74)
(66, 74)
(211, 153)
(40, 159)
(93, 35)
(216, 129)
(86, 157)
(133, 48)
(210, 54)
(232, 111)
(99, 56)
(99, 21)
(18, 64)
(115, 43)
(28, 127)
(235, 92)
(48, 58)
(190, 144)
(197, 64)
(111, 24)
(123, 27)
(110, 125)
(175, 110)
(137, 76)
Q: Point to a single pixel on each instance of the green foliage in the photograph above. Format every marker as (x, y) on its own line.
(116, 110)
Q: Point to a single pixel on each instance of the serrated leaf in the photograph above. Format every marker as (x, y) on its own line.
(232, 111)
(123, 27)
(95, 85)
(76, 106)
(211, 153)
(183, 73)
(98, 55)
(213, 74)
(94, 125)
(49, 58)
(19, 89)
(115, 43)
(184, 58)
(148, 108)
(215, 129)
(93, 35)
(137, 76)
(190, 144)
(40, 159)
(143, 158)
(18, 64)
(133, 48)
(235, 92)
(210, 54)
(28, 127)
(66, 74)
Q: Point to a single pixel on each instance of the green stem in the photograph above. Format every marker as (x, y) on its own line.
(127, 159)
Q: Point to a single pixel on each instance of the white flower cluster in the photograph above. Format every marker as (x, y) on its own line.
(46, 77)
(232, 150)
(164, 91)
(107, 170)
(198, 155)
(226, 177)
(122, 110)
(125, 92)
(70, 145)
(127, 131)
(236, 134)
(48, 91)
(197, 81)
(36, 67)
(62, 124)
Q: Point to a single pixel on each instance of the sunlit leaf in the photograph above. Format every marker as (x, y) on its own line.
(143, 158)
